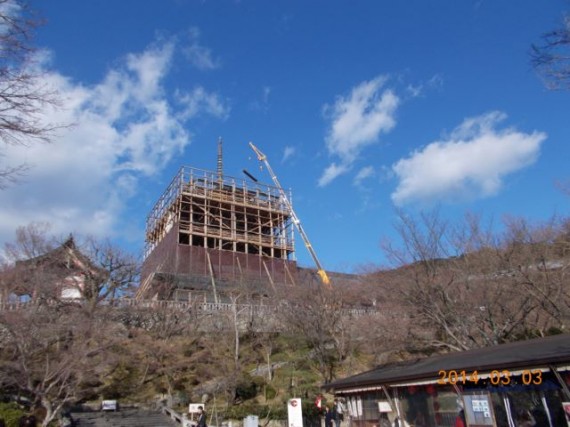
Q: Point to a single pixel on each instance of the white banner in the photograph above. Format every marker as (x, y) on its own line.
(295, 413)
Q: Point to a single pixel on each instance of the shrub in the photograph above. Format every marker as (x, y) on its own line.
(11, 413)
(270, 392)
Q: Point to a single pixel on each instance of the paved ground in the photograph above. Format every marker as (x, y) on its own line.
(123, 418)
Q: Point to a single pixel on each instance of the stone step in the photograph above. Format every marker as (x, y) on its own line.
(123, 418)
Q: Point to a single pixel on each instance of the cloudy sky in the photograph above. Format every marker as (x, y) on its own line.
(361, 108)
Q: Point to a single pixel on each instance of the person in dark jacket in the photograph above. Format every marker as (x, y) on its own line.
(328, 417)
(202, 417)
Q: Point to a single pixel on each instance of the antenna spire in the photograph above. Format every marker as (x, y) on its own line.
(220, 161)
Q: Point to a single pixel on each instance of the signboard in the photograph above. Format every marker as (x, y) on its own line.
(295, 413)
(384, 406)
(479, 409)
(109, 405)
(194, 408)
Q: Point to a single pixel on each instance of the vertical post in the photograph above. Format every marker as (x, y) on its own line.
(268, 275)
(212, 276)
(560, 381)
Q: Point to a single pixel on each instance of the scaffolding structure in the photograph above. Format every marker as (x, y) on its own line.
(214, 211)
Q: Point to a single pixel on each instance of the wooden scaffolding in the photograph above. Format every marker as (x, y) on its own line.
(215, 211)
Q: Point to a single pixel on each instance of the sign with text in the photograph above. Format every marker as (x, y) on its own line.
(194, 408)
(295, 413)
(479, 409)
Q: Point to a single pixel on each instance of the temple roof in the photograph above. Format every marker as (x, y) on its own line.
(56, 265)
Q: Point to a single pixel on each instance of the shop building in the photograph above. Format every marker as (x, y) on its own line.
(514, 384)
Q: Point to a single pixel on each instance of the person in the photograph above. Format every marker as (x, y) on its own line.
(328, 417)
(67, 419)
(540, 416)
(566, 407)
(383, 420)
(420, 420)
(335, 416)
(525, 419)
(202, 417)
(339, 410)
(460, 419)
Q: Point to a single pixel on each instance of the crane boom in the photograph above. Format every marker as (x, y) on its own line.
(320, 270)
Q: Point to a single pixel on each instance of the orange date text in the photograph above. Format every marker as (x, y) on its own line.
(495, 377)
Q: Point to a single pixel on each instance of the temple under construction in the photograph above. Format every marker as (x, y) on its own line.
(209, 232)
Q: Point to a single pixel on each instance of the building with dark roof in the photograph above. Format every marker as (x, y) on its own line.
(493, 386)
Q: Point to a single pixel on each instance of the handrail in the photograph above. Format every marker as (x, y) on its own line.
(175, 416)
(205, 307)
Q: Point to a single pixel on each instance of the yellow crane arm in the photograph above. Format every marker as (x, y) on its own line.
(320, 270)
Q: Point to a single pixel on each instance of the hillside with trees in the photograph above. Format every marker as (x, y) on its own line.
(452, 287)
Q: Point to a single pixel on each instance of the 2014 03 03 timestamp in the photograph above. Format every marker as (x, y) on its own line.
(495, 377)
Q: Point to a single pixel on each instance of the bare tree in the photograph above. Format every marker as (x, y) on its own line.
(540, 265)
(471, 287)
(121, 273)
(551, 57)
(163, 342)
(31, 241)
(266, 343)
(24, 96)
(316, 314)
(54, 356)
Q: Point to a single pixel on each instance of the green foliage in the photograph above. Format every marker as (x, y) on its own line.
(121, 382)
(11, 413)
(246, 388)
(272, 412)
(310, 410)
(270, 392)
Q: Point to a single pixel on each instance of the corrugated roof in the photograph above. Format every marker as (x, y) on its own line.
(554, 350)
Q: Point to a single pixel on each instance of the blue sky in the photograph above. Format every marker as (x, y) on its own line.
(361, 107)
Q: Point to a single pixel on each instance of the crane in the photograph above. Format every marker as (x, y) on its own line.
(263, 158)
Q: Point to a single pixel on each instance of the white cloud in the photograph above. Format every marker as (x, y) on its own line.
(364, 173)
(288, 152)
(199, 56)
(436, 81)
(262, 104)
(125, 130)
(200, 101)
(331, 172)
(414, 91)
(419, 89)
(358, 119)
(471, 163)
